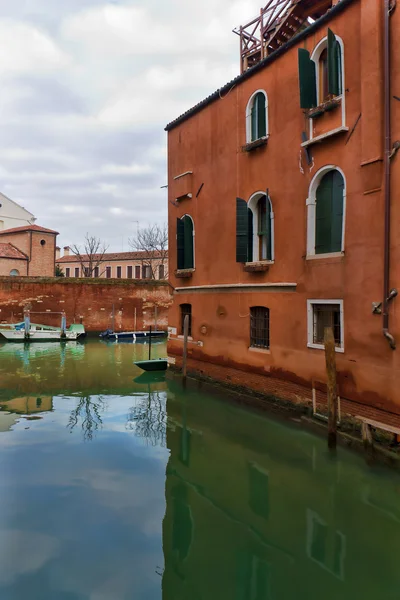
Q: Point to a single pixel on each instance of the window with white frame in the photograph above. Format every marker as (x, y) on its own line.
(323, 314)
(260, 228)
(257, 117)
(326, 212)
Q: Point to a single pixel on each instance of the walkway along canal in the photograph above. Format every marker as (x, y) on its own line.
(115, 486)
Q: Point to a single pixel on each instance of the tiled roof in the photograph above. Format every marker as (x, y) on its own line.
(28, 228)
(223, 91)
(10, 251)
(111, 256)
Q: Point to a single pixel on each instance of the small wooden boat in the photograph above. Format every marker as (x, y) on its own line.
(131, 335)
(155, 364)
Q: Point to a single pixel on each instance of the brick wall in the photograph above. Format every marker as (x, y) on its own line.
(8, 264)
(87, 301)
(42, 256)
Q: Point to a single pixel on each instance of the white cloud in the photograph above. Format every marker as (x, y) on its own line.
(24, 47)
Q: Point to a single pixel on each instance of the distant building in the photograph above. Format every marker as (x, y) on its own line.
(117, 265)
(13, 215)
(27, 251)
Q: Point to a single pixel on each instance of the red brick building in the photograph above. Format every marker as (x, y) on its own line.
(283, 204)
(28, 251)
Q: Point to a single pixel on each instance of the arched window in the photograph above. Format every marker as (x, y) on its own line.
(259, 327)
(326, 210)
(327, 57)
(260, 228)
(14, 273)
(185, 242)
(257, 117)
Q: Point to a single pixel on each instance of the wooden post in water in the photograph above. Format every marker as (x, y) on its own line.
(135, 319)
(150, 345)
(113, 318)
(185, 342)
(330, 359)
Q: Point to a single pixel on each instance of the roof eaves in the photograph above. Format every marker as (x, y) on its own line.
(263, 63)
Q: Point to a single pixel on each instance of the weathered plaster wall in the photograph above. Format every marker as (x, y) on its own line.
(89, 302)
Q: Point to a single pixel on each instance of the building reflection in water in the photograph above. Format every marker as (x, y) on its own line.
(258, 511)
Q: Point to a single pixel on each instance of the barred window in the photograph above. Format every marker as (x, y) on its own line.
(186, 309)
(326, 315)
(259, 327)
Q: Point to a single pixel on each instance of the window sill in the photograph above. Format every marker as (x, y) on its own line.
(322, 347)
(327, 106)
(258, 266)
(323, 136)
(256, 144)
(325, 256)
(184, 273)
(259, 350)
(181, 337)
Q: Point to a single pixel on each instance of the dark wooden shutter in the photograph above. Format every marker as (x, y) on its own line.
(254, 121)
(269, 226)
(242, 222)
(334, 75)
(180, 243)
(307, 80)
(337, 211)
(249, 235)
(188, 243)
(323, 216)
(261, 119)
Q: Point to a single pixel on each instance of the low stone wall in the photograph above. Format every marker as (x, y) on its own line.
(87, 301)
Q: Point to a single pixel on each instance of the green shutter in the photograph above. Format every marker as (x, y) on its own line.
(242, 221)
(323, 216)
(329, 214)
(261, 120)
(249, 235)
(188, 243)
(254, 121)
(269, 228)
(334, 75)
(337, 211)
(180, 243)
(307, 80)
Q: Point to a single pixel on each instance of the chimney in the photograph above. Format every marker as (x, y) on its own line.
(66, 250)
(58, 251)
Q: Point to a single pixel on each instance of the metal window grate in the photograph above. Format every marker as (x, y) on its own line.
(326, 315)
(259, 327)
(186, 309)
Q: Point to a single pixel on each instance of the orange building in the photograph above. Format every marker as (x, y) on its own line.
(283, 203)
(28, 251)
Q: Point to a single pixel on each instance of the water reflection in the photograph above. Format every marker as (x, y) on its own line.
(178, 495)
(88, 413)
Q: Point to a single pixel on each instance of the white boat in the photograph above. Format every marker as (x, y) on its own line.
(40, 333)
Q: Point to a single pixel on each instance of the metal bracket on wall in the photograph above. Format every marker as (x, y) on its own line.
(307, 150)
(377, 308)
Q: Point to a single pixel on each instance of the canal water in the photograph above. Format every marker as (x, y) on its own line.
(120, 487)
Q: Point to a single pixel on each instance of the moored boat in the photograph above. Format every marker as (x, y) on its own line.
(19, 332)
(131, 335)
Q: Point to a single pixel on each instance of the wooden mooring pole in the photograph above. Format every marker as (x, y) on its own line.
(330, 358)
(185, 344)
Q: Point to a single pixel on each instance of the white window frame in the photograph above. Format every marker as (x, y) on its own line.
(249, 108)
(310, 323)
(252, 205)
(116, 271)
(311, 204)
(315, 56)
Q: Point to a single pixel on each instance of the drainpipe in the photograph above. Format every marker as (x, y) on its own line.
(387, 295)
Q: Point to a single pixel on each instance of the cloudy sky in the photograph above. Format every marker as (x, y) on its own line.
(86, 89)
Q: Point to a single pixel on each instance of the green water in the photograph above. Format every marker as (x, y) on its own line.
(114, 489)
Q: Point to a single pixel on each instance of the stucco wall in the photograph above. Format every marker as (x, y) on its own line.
(8, 264)
(210, 144)
(12, 215)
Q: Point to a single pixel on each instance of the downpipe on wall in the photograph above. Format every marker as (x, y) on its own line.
(387, 295)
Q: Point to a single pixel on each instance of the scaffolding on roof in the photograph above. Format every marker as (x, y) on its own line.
(278, 21)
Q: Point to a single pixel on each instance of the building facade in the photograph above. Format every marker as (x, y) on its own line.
(13, 215)
(281, 197)
(116, 265)
(28, 251)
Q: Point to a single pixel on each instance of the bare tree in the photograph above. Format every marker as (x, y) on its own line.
(148, 418)
(92, 255)
(153, 242)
